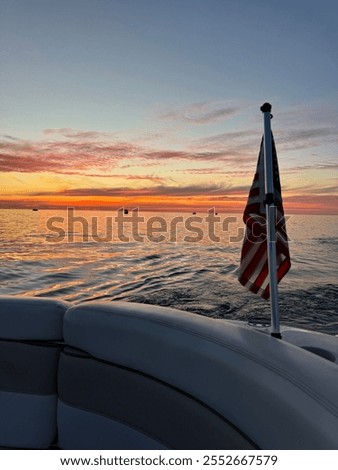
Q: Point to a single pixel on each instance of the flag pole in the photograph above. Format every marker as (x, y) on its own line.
(271, 217)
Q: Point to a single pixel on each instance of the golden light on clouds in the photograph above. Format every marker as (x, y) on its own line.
(90, 169)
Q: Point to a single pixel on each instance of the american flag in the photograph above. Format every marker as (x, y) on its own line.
(253, 270)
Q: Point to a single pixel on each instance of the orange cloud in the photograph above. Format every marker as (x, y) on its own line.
(62, 157)
(82, 169)
(192, 198)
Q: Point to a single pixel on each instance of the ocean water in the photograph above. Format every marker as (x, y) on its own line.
(183, 260)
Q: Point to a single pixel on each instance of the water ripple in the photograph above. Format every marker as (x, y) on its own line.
(199, 278)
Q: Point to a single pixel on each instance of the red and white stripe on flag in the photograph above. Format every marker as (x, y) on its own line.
(253, 270)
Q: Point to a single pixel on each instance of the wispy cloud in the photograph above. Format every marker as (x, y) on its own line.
(91, 156)
(158, 191)
(64, 157)
(315, 166)
(203, 171)
(196, 156)
(75, 134)
(321, 190)
(305, 138)
(10, 137)
(226, 137)
(201, 113)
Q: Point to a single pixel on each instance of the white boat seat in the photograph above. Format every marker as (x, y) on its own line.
(30, 329)
(277, 395)
(106, 406)
(136, 376)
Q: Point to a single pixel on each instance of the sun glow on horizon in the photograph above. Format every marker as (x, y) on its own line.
(108, 174)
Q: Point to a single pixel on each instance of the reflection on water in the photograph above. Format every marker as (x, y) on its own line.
(180, 264)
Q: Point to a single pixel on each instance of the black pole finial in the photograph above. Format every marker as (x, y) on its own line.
(266, 108)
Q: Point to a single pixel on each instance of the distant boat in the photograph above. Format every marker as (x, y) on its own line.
(125, 211)
(194, 213)
(35, 209)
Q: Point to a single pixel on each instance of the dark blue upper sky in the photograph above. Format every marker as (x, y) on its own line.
(105, 63)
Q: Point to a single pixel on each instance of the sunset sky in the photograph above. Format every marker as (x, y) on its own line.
(155, 103)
